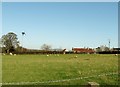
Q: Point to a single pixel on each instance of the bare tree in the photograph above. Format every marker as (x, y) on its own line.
(45, 47)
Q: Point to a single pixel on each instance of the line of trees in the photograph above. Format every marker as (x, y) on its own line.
(9, 44)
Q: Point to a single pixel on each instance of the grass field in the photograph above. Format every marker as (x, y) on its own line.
(60, 70)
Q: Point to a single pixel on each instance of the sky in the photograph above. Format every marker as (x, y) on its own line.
(60, 0)
(62, 24)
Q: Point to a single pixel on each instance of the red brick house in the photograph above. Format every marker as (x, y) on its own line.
(83, 50)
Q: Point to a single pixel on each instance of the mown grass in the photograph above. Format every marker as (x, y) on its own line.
(42, 68)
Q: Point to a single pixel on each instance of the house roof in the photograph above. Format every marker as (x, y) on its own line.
(88, 50)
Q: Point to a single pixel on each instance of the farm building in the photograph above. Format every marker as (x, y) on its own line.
(83, 50)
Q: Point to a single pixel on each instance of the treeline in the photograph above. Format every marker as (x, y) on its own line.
(30, 51)
(20, 50)
(109, 52)
(9, 44)
(39, 52)
(42, 52)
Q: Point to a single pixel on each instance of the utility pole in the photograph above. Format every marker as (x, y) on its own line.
(109, 43)
(23, 33)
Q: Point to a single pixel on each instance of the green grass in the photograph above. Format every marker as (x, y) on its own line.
(40, 68)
